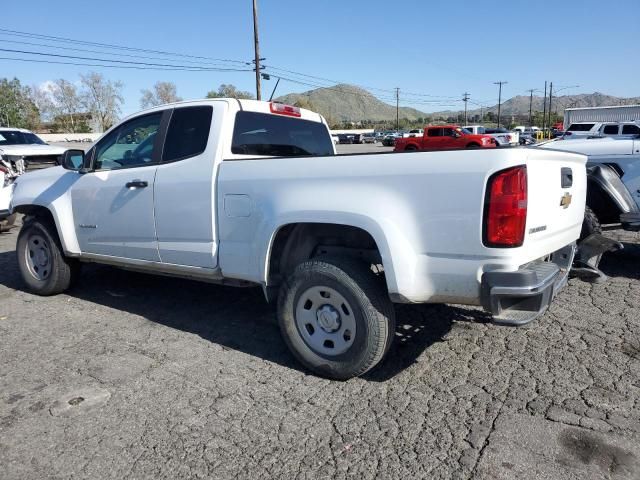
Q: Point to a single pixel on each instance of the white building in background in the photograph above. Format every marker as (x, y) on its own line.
(623, 113)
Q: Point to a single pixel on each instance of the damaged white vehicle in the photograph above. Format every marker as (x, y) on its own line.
(19, 148)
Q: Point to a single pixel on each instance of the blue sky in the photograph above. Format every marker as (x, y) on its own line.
(424, 47)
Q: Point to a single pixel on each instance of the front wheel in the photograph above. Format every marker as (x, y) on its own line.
(473, 145)
(336, 317)
(42, 263)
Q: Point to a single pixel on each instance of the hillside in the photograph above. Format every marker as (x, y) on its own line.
(519, 105)
(349, 103)
(345, 103)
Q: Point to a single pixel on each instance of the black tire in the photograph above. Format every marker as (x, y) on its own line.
(590, 224)
(473, 145)
(372, 312)
(410, 148)
(57, 273)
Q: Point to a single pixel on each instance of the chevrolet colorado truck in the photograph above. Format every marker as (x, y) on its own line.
(444, 137)
(242, 192)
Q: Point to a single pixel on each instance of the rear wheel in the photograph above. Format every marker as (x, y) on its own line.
(42, 263)
(336, 317)
(590, 224)
(410, 148)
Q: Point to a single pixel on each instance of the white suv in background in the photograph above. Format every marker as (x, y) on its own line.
(602, 129)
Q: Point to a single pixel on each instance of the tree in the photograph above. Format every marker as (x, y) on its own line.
(102, 98)
(229, 91)
(16, 106)
(163, 92)
(65, 105)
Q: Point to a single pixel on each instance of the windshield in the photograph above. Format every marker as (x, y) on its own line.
(465, 131)
(16, 137)
(275, 135)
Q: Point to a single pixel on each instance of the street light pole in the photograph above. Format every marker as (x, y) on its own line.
(256, 45)
(550, 97)
(499, 97)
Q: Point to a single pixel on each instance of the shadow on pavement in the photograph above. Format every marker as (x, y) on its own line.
(623, 263)
(238, 318)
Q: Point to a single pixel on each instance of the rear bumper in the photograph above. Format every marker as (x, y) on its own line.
(516, 298)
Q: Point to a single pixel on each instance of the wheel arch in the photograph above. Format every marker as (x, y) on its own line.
(607, 195)
(293, 242)
(69, 244)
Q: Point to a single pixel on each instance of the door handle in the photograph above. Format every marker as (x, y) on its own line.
(137, 184)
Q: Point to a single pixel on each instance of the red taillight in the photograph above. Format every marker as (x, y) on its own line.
(506, 208)
(282, 109)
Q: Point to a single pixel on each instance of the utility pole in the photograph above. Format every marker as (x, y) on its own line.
(256, 44)
(465, 99)
(397, 109)
(544, 108)
(550, 97)
(531, 90)
(499, 97)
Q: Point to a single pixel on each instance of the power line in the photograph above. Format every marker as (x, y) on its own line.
(132, 67)
(112, 46)
(128, 55)
(93, 59)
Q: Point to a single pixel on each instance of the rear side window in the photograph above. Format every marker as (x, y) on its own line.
(630, 130)
(263, 134)
(610, 130)
(580, 127)
(188, 133)
(434, 132)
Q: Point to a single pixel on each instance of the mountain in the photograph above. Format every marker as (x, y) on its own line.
(347, 103)
(519, 105)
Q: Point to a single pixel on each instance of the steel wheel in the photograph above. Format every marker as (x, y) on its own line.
(325, 321)
(38, 256)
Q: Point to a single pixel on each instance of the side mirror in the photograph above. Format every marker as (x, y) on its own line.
(456, 135)
(73, 160)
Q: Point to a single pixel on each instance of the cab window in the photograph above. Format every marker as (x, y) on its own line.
(130, 145)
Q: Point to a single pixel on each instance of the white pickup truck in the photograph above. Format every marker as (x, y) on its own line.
(243, 192)
(504, 138)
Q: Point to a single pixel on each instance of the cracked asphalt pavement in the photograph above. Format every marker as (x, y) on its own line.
(135, 376)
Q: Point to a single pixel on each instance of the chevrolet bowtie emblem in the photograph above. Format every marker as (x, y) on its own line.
(565, 201)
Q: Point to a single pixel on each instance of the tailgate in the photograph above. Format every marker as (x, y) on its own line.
(557, 189)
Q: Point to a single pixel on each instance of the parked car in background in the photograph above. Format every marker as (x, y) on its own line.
(526, 137)
(20, 145)
(602, 129)
(358, 138)
(444, 137)
(343, 138)
(187, 198)
(503, 137)
(389, 140)
(416, 132)
(369, 138)
(335, 139)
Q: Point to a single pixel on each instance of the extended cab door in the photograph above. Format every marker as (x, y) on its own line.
(432, 139)
(184, 189)
(113, 204)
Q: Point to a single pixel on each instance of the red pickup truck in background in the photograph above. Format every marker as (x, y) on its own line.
(444, 137)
